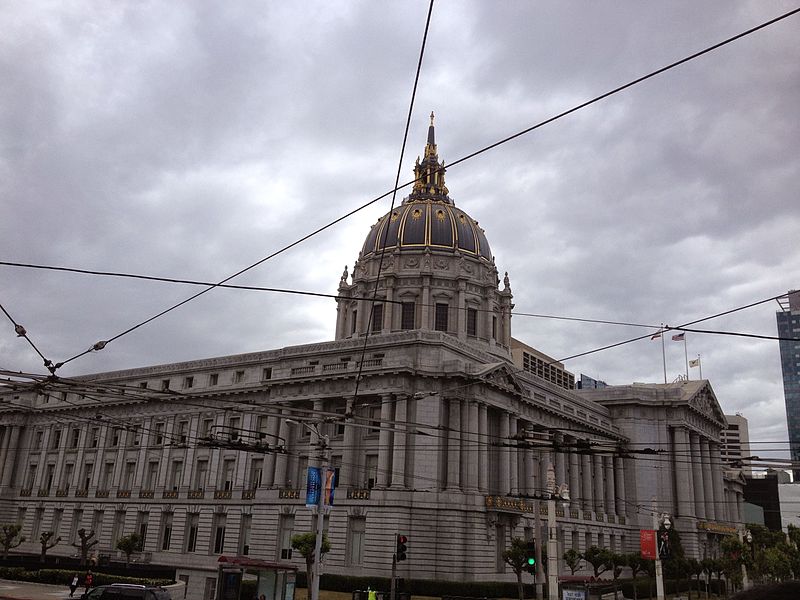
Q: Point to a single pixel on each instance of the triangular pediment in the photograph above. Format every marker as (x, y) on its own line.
(501, 375)
(705, 401)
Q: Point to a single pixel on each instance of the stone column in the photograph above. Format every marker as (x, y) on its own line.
(385, 442)
(708, 485)
(696, 461)
(483, 448)
(273, 426)
(574, 477)
(10, 454)
(389, 306)
(350, 452)
(682, 473)
(425, 309)
(503, 479)
(473, 444)
(560, 462)
(513, 453)
(608, 466)
(718, 484)
(454, 445)
(544, 464)
(461, 312)
(282, 460)
(586, 489)
(400, 440)
(599, 488)
(619, 486)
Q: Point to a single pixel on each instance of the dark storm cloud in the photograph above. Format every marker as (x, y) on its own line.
(193, 140)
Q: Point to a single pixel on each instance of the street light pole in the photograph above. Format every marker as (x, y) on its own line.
(659, 571)
(555, 492)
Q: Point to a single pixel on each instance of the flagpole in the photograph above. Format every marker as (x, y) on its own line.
(700, 365)
(663, 353)
(686, 355)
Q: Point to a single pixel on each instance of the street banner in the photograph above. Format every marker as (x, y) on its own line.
(330, 486)
(313, 486)
(647, 543)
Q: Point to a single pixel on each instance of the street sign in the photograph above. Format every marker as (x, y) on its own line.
(647, 543)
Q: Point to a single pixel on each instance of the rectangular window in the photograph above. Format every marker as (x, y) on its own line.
(95, 437)
(97, 523)
(141, 527)
(87, 476)
(37, 445)
(238, 377)
(372, 471)
(440, 321)
(164, 385)
(208, 425)
(36, 528)
(407, 316)
(118, 530)
(158, 437)
(192, 523)
(58, 516)
(127, 479)
(354, 322)
(233, 428)
(200, 475)
(56, 442)
(266, 373)
(76, 436)
(183, 432)
(285, 530)
(49, 475)
(115, 436)
(494, 328)
(77, 517)
(188, 382)
(244, 535)
(69, 471)
(152, 474)
(472, 322)
(213, 379)
(143, 385)
(220, 520)
(377, 318)
(356, 527)
(166, 530)
(176, 475)
(30, 478)
(227, 474)
(256, 468)
(108, 473)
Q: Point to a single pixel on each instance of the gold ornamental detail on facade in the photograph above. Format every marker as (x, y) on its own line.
(716, 528)
(509, 504)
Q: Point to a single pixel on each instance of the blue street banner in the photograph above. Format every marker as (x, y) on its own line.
(313, 486)
(330, 486)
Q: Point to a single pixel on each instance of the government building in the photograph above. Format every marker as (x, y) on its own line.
(441, 426)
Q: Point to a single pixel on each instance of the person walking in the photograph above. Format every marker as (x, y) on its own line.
(88, 580)
(73, 585)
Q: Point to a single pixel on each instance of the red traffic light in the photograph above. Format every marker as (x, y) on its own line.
(401, 548)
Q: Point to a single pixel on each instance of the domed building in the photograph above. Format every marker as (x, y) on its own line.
(438, 424)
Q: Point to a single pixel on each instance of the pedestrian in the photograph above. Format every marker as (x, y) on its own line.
(88, 580)
(73, 585)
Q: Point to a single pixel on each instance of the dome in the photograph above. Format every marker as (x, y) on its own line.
(428, 218)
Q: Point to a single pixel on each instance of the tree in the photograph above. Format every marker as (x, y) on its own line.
(573, 558)
(615, 564)
(129, 544)
(10, 538)
(693, 569)
(599, 558)
(305, 543)
(44, 540)
(517, 558)
(637, 565)
(87, 543)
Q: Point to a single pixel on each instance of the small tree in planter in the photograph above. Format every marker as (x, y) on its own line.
(87, 543)
(599, 558)
(129, 544)
(304, 543)
(573, 558)
(10, 538)
(517, 558)
(44, 540)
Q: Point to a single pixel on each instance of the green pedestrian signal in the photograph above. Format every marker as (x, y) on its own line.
(530, 553)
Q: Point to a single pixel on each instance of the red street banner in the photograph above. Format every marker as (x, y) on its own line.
(647, 543)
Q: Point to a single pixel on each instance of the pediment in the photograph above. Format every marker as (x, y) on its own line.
(501, 375)
(705, 402)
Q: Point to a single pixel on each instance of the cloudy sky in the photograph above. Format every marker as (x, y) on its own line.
(191, 139)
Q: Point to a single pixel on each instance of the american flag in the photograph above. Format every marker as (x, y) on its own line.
(679, 337)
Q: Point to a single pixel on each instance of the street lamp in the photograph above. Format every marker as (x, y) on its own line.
(560, 493)
(660, 519)
(324, 448)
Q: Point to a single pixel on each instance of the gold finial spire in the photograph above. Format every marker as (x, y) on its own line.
(431, 118)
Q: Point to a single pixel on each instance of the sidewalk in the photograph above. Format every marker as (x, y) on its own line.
(23, 590)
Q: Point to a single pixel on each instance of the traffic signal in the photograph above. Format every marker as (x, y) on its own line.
(530, 553)
(401, 550)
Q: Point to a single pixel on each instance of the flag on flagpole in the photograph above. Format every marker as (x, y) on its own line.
(655, 336)
(694, 363)
(679, 337)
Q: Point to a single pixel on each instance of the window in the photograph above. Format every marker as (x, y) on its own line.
(200, 475)
(372, 471)
(494, 328)
(227, 474)
(407, 315)
(356, 526)
(213, 379)
(115, 436)
(285, 529)
(440, 321)
(266, 373)
(164, 385)
(183, 432)
(58, 516)
(56, 442)
(94, 439)
(118, 529)
(354, 322)
(256, 468)
(141, 526)
(234, 424)
(192, 522)
(472, 322)
(38, 440)
(152, 474)
(375, 419)
(143, 385)
(238, 377)
(87, 475)
(77, 516)
(66, 480)
(127, 479)
(30, 479)
(208, 424)
(188, 382)
(263, 426)
(49, 475)
(76, 437)
(176, 475)
(36, 528)
(97, 522)
(244, 535)
(377, 318)
(220, 520)
(166, 530)
(158, 438)
(108, 473)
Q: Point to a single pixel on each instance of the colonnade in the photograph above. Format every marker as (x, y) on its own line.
(698, 474)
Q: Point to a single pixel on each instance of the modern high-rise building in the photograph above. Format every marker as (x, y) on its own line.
(789, 327)
(736, 443)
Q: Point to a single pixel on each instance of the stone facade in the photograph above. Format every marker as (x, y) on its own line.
(435, 431)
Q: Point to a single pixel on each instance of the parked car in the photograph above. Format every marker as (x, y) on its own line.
(127, 591)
